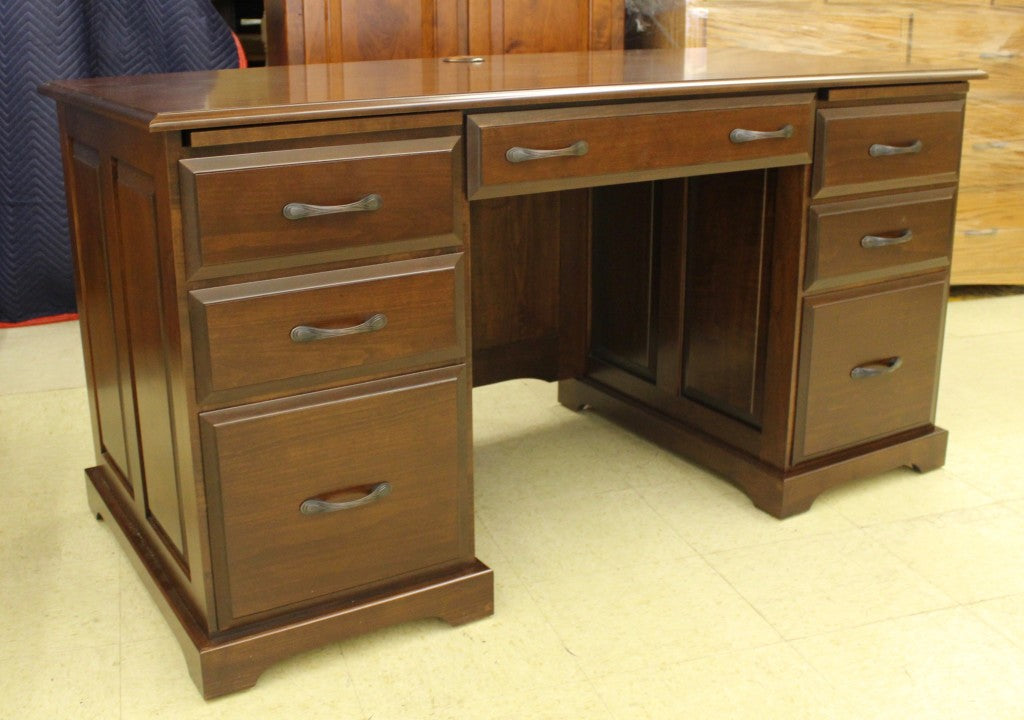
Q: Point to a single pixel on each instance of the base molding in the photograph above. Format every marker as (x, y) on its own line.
(222, 665)
(780, 493)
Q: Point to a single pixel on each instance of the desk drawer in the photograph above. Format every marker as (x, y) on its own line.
(540, 150)
(894, 338)
(869, 240)
(397, 315)
(264, 461)
(865, 149)
(378, 196)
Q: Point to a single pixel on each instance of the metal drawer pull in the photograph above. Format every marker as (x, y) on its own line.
(982, 232)
(878, 150)
(877, 241)
(315, 506)
(306, 333)
(464, 59)
(739, 135)
(521, 154)
(882, 367)
(297, 211)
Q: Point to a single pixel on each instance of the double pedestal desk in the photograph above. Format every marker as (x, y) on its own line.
(290, 278)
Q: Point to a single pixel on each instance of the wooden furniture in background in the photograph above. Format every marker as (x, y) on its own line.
(281, 326)
(989, 239)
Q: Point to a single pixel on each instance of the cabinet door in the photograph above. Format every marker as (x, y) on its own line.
(319, 31)
(506, 26)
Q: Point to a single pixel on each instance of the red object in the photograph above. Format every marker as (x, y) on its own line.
(42, 320)
(243, 61)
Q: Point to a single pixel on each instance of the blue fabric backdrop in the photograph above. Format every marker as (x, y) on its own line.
(43, 40)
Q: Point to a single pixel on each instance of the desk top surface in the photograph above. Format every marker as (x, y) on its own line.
(307, 92)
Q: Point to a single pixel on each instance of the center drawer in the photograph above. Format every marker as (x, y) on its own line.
(542, 150)
(360, 321)
(335, 492)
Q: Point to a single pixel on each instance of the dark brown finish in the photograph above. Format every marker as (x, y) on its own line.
(264, 460)
(727, 280)
(730, 360)
(835, 249)
(844, 331)
(325, 31)
(844, 164)
(632, 142)
(242, 333)
(236, 214)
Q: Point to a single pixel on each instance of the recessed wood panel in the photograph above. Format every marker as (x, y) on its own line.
(263, 461)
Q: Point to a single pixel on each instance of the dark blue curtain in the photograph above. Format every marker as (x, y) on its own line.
(43, 40)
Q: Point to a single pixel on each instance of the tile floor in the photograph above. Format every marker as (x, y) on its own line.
(630, 584)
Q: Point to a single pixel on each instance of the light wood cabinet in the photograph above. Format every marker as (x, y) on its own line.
(988, 243)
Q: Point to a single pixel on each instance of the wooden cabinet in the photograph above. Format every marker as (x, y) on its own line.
(989, 231)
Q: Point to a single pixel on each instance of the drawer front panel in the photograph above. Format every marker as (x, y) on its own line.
(234, 205)
(868, 240)
(264, 461)
(243, 334)
(915, 143)
(844, 332)
(614, 144)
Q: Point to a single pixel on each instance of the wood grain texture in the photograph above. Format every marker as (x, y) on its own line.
(844, 331)
(836, 256)
(264, 460)
(242, 332)
(274, 94)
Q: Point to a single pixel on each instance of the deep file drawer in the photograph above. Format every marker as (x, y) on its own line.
(284, 207)
(322, 494)
(360, 321)
(868, 364)
(539, 150)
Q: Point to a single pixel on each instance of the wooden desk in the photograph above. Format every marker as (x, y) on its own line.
(284, 309)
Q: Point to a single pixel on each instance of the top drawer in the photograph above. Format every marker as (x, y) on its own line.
(866, 149)
(541, 150)
(289, 207)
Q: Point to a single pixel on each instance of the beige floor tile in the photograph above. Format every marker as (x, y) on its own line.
(41, 357)
(1005, 614)
(546, 538)
(767, 683)
(971, 555)
(419, 669)
(900, 495)
(806, 587)
(47, 434)
(649, 615)
(61, 682)
(985, 316)
(947, 664)
(314, 686)
(713, 516)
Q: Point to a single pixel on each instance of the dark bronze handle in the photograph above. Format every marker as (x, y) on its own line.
(316, 506)
(878, 150)
(521, 154)
(877, 241)
(297, 211)
(739, 135)
(307, 333)
(881, 367)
